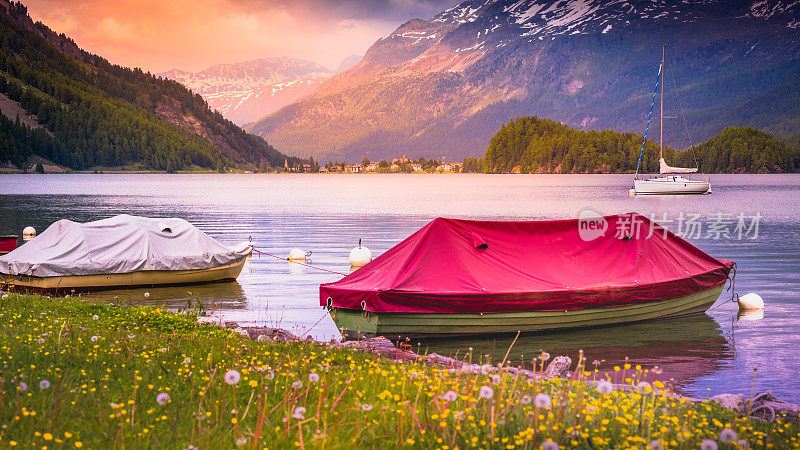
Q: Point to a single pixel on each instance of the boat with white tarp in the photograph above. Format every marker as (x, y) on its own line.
(120, 251)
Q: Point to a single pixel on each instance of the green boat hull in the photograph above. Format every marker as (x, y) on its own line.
(355, 323)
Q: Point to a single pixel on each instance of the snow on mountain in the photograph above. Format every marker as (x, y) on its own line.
(247, 91)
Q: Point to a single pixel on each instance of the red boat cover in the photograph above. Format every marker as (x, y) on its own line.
(470, 266)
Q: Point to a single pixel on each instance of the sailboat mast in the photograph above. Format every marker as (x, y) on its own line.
(661, 127)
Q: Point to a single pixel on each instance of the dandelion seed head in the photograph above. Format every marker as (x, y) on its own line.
(94, 317)
(605, 387)
(655, 445)
(366, 407)
(526, 399)
(486, 392)
(232, 376)
(187, 360)
(496, 379)
(313, 378)
(22, 387)
(708, 444)
(450, 396)
(146, 294)
(544, 356)
(41, 341)
(297, 385)
(728, 436)
(643, 386)
(162, 398)
(270, 375)
(549, 445)
(241, 442)
(485, 369)
(743, 444)
(44, 384)
(94, 338)
(543, 401)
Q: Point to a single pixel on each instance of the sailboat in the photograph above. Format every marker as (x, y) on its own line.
(669, 180)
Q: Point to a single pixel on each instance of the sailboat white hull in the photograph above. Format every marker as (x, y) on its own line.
(670, 185)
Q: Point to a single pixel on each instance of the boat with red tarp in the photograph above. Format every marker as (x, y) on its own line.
(7, 244)
(466, 277)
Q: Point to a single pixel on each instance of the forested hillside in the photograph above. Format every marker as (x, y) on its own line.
(534, 145)
(100, 114)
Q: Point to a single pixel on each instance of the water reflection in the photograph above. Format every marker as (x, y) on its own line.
(684, 348)
(227, 295)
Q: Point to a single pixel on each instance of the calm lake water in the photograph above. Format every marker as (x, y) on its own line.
(327, 214)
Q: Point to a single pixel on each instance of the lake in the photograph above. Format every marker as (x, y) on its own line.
(328, 214)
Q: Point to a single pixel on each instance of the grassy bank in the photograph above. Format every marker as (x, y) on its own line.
(74, 374)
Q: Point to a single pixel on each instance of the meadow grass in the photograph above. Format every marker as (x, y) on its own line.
(81, 375)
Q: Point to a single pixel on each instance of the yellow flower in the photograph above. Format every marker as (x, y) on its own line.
(47, 436)
(234, 421)
(253, 383)
(78, 444)
(410, 441)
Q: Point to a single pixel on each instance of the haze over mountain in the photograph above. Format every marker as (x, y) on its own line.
(443, 87)
(247, 91)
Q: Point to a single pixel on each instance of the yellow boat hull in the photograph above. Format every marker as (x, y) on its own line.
(142, 278)
(354, 323)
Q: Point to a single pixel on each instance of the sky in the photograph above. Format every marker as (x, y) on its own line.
(158, 35)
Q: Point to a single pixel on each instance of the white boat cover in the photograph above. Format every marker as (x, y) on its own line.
(669, 169)
(119, 244)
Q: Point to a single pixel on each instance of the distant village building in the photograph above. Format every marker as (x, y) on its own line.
(354, 168)
(323, 170)
(286, 165)
(416, 167)
(371, 167)
(394, 168)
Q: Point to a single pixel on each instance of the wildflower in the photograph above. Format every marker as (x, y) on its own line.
(297, 385)
(187, 360)
(5, 296)
(131, 336)
(526, 399)
(44, 384)
(146, 294)
(94, 317)
(41, 340)
(162, 398)
(605, 387)
(544, 356)
(313, 378)
(414, 375)
(253, 383)
(728, 436)
(496, 379)
(366, 407)
(450, 396)
(78, 444)
(298, 413)
(48, 436)
(485, 369)
(241, 442)
(94, 338)
(657, 370)
(232, 376)
(163, 350)
(486, 392)
(643, 386)
(543, 401)
(22, 386)
(656, 445)
(708, 444)
(549, 445)
(270, 375)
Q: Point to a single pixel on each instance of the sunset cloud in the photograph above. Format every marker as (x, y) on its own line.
(194, 34)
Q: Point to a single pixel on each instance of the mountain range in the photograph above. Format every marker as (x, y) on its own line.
(81, 111)
(247, 91)
(444, 86)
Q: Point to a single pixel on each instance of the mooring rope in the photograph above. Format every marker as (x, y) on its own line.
(731, 287)
(298, 262)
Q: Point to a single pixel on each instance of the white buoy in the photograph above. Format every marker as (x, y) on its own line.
(360, 256)
(298, 255)
(751, 301)
(28, 233)
(632, 192)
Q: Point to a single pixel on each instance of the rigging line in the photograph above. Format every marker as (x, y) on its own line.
(298, 262)
(649, 116)
(686, 124)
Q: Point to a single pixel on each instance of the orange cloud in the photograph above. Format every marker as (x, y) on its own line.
(159, 35)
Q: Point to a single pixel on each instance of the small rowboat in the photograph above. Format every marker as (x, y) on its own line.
(465, 277)
(118, 252)
(8, 243)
